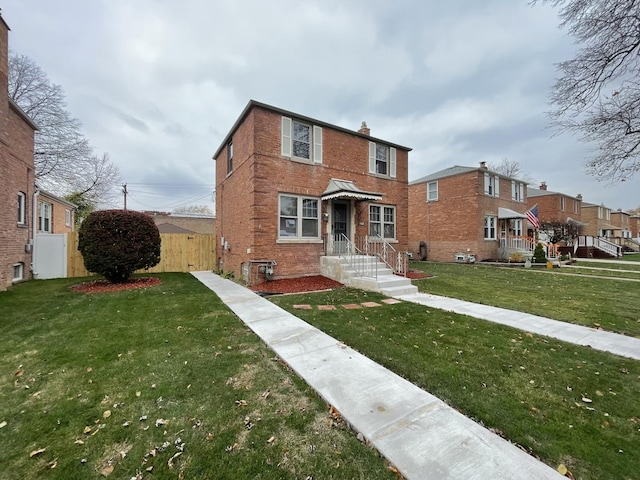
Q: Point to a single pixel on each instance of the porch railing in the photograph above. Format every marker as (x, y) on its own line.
(377, 246)
(372, 248)
(518, 243)
(361, 263)
(600, 243)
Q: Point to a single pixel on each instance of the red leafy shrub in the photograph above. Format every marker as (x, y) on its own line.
(116, 243)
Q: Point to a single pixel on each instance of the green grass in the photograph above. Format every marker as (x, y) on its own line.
(76, 368)
(613, 304)
(608, 266)
(632, 257)
(528, 388)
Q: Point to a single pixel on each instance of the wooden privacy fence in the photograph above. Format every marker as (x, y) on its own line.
(179, 252)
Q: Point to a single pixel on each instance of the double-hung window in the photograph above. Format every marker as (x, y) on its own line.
(517, 191)
(22, 208)
(491, 185)
(490, 227)
(382, 221)
(67, 217)
(301, 140)
(44, 217)
(562, 204)
(230, 156)
(298, 217)
(432, 191)
(382, 160)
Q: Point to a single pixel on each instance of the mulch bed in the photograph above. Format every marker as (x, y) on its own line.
(102, 286)
(415, 275)
(297, 285)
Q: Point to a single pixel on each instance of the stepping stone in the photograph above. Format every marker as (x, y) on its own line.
(326, 307)
(302, 307)
(391, 301)
(371, 304)
(351, 306)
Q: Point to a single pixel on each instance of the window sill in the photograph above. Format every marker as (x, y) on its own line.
(299, 240)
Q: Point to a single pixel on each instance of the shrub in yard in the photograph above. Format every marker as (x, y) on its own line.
(539, 255)
(116, 243)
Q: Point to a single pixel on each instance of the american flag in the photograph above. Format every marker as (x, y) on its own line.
(532, 216)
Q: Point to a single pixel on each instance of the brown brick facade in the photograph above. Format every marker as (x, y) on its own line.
(17, 167)
(454, 222)
(61, 221)
(247, 198)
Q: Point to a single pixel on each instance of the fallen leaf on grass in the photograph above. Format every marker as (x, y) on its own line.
(78, 442)
(53, 464)
(170, 462)
(241, 403)
(587, 400)
(271, 440)
(3, 424)
(37, 452)
(19, 373)
(106, 471)
(106, 414)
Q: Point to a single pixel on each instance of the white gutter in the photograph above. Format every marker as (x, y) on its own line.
(34, 205)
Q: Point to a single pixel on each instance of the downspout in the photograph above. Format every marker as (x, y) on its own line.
(34, 206)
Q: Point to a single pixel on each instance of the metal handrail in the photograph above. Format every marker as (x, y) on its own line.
(362, 264)
(377, 246)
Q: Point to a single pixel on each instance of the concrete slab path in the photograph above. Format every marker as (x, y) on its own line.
(419, 434)
(590, 337)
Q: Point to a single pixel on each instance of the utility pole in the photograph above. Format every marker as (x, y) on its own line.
(124, 191)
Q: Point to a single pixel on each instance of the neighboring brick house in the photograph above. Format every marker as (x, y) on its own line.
(622, 221)
(54, 214)
(554, 206)
(17, 181)
(462, 211)
(288, 187)
(634, 221)
(597, 220)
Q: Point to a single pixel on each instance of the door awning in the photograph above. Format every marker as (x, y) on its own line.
(346, 189)
(508, 213)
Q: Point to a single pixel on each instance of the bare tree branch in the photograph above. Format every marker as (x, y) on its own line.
(598, 94)
(64, 159)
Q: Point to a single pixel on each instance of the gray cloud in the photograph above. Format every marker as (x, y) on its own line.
(158, 84)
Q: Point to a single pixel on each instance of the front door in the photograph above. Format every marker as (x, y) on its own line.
(340, 226)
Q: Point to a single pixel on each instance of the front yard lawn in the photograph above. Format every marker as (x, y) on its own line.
(565, 404)
(613, 305)
(158, 383)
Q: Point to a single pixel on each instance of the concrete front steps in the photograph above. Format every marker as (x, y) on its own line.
(386, 282)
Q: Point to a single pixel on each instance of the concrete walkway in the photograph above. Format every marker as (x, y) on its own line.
(597, 339)
(415, 431)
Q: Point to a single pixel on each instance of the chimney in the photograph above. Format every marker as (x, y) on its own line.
(364, 129)
(543, 186)
(483, 165)
(579, 196)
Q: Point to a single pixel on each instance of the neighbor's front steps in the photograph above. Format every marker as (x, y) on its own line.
(386, 282)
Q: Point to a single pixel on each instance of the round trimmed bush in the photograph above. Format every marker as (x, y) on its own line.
(116, 243)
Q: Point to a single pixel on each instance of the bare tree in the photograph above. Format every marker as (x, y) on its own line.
(64, 160)
(510, 168)
(193, 209)
(557, 231)
(598, 95)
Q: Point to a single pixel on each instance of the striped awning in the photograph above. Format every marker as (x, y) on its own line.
(347, 190)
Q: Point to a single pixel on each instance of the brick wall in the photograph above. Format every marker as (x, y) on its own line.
(16, 162)
(247, 198)
(454, 223)
(549, 207)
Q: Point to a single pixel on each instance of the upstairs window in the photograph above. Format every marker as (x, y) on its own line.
(22, 208)
(301, 140)
(67, 217)
(382, 160)
(562, 204)
(517, 191)
(491, 185)
(575, 206)
(44, 217)
(230, 156)
(432, 191)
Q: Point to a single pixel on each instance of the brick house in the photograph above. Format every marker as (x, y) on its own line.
(17, 182)
(462, 211)
(291, 189)
(183, 222)
(54, 214)
(554, 206)
(597, 220)
(634, 221)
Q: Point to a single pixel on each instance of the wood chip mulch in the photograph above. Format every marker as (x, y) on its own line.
(311, 283)
(102, 286)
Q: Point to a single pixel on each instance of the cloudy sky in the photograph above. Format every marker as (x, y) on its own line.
(157, 84)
